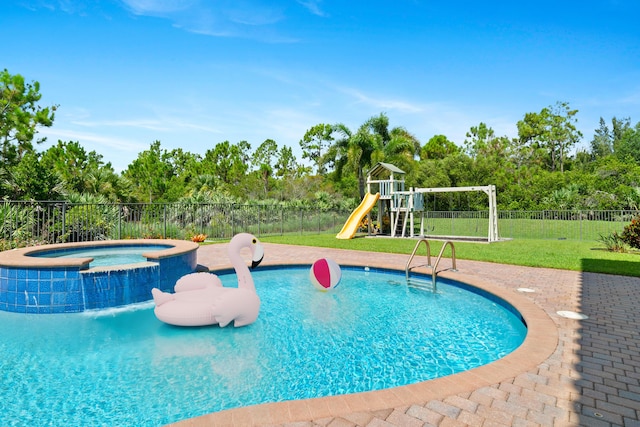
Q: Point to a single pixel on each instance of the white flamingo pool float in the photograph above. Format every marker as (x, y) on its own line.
(200, 299)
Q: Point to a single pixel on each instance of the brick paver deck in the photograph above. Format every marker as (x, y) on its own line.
(570, 373)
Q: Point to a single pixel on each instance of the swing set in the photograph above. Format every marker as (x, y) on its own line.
(405, 207)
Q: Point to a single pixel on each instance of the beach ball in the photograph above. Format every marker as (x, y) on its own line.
(325, 274)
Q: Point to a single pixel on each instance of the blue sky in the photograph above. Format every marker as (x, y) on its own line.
(193, 73)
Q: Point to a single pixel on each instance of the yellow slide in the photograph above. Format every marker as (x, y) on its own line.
(351, 226)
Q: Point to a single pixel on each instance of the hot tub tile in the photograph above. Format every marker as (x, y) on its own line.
(58, 299)
(32, 286)
(59, 273)
(44, 285)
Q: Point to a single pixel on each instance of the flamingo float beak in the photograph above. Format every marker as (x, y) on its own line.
(258, 254)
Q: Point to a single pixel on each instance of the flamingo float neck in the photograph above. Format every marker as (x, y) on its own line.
(239, 241)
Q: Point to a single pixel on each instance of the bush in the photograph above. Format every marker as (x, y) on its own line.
(613, 242)
(631, 233)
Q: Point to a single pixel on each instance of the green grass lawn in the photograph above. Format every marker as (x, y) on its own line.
(588, 256)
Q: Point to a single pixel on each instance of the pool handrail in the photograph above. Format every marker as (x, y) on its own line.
(408, 266)
(434, 268)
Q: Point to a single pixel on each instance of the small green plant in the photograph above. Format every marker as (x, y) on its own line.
(631, 233)
(613, 242)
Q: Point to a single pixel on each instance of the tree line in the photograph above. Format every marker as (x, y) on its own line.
(539, 169)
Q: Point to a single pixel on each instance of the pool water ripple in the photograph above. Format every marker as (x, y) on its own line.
(127, 368)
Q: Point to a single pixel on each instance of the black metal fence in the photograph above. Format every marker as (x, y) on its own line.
(32, 223)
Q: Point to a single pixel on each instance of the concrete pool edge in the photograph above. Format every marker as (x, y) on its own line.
(540, 343)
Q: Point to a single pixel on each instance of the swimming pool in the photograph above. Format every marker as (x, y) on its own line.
(124, 367)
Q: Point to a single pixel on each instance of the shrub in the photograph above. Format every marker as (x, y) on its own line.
(631, 233)
(613, 242)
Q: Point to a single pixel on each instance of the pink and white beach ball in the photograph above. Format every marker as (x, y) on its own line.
(325, 274)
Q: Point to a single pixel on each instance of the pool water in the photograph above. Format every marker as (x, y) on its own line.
(105, 256)
(124, 367)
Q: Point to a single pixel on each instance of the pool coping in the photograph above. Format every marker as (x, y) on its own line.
(20, 257)
(539, 344)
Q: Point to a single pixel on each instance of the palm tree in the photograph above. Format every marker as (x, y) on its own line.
(352, 152)
(401, 149)
(396, 145)
(371, 143)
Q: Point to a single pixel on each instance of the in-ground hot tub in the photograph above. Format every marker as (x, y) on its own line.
(49, 279)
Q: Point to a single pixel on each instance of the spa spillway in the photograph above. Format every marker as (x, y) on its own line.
(60, 278)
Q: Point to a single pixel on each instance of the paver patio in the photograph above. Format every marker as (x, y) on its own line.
(572, 373)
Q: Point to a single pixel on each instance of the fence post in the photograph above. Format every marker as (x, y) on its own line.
(119, 221)
(580, 213)
(452, 228)
(64, 219)
(164, 220)
(233, 223)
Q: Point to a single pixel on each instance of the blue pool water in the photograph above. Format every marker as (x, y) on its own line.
(124, 367)
(105, 256)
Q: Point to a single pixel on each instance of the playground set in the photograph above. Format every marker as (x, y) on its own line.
(386, 189)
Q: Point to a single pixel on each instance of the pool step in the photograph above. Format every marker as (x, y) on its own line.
(422, 284)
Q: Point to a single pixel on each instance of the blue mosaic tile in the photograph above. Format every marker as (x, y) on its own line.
(32, 309)
(32, 274)
(22, 273)
(58, 286)
(21, 286)
(58, 298)
(11, 298)
(72, 285)
(32, 286)
(44, 298)
(71, 309)
(45, 286)
(20, 309)
(21, 298)
(59, 273)
(74, 298)
(46, 274)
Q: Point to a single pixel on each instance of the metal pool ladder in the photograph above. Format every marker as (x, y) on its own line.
(434, 268)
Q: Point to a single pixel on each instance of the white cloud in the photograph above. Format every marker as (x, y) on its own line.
(382, 103)
(147, 124)
(255, 19)
(313, 6)
(633, 98)
(168, 125)
(105, 141)
(158, 7)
